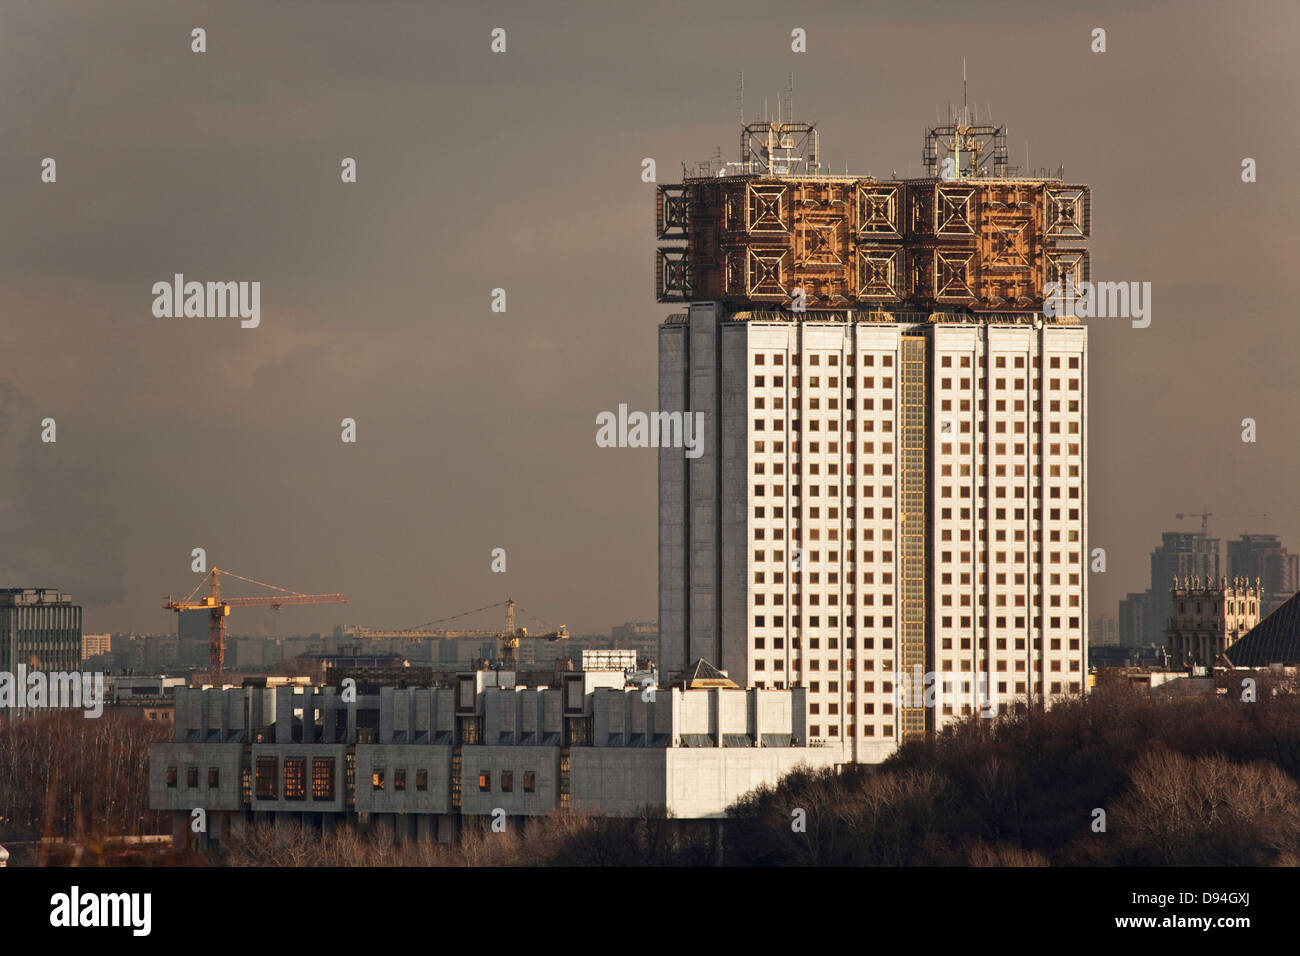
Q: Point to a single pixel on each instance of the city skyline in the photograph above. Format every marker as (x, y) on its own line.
(477, 429)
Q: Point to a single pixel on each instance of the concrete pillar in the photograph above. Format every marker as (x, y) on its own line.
(180, 829)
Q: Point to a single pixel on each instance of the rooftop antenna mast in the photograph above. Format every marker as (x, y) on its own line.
(963, 90)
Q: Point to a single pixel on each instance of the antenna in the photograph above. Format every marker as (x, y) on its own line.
(740, 98)
(963, 89)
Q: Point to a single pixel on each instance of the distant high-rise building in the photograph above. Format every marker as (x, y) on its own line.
(93, 645)
(1262, 556)
(1181, 554)
(1132, 619)
(640, 636)
(157, 653)
(1103, 632)
(892, 477)
(40, 628)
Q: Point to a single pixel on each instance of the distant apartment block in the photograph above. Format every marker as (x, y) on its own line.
(640, 636)
(1262, 556)
(1103, 632)
(40, 628)
(95, 645)
(1132, 617)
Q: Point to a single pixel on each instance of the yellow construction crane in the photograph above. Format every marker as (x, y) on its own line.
(1205, 517)
(509, 638)
(218, 609)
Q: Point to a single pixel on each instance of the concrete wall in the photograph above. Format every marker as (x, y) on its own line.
(673, 529)
(703, 783)
(409, 757)
(618, 782)
(542, 761)
(703, 486)
(227, 760)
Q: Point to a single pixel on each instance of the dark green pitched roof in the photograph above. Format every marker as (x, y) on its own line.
(1274, 640)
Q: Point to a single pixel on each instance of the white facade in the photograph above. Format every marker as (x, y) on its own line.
(781, 546)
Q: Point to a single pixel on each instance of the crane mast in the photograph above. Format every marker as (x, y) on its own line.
(218, 609)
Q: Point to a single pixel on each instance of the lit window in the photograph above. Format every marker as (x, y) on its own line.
(266, 773)
(295, 778)
(322, 778)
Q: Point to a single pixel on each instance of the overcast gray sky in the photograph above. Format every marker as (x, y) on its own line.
(522, 171)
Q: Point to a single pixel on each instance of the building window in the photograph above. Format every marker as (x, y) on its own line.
(377, 780)
(485, 783)
(268, 770)
(530, 781)
(192, 777)
(214, 778)
(322, 778)
(507, 781)
(295, 778)
(421, 780)
(399, 780)
(171, 778)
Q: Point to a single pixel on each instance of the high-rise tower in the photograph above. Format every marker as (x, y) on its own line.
(40, 628)
(1263, 556)
(892, 490)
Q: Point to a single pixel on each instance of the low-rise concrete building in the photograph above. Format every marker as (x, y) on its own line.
(420, 760)
(150, 696)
